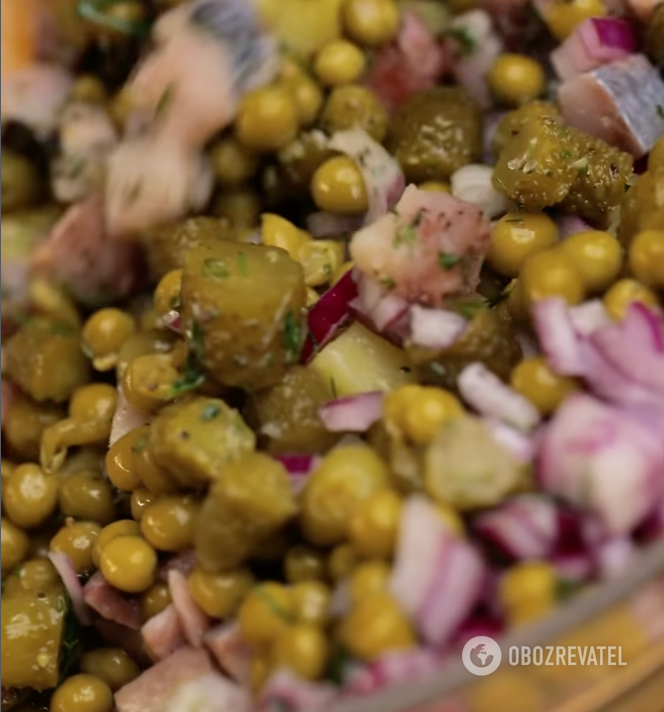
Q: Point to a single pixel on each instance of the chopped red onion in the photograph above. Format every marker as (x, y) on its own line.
(330, 225)
(528, 345)
(286, 691)
(574, 567)
(352, 414)
(171, 320)
(437, 576)
(470, 68)
(126, 418)
(401, 666)
(595, 42)
(485, 392)
(614, 558)
(381, 172)
(589, 316)
(522, 528)
(569, 225)
(435, 328)
(328, 315)
(598, 458)
(557, 337)
(389, 311)
(65, 569)
(635, 346)
(522, 447)
(299, 467)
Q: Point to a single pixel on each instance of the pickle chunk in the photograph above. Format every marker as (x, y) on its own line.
(45, 359)
(243, 312)
(196, 439)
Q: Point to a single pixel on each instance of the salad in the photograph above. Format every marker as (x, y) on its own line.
(332, 337)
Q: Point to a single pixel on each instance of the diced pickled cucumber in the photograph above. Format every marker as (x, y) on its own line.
(196, 439)
(243, 312)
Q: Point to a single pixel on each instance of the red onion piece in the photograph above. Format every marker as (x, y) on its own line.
(173, 321)
(328, 315)
(574, 567)
(615, 557)
(635, 346)
(352, 414)
(299, 467)
(381, 172)
(589, 316)
(595, 42)
(557, 337)
(195, 623)
(569, 225)
(323, 224)
(390, 669)
(437, 576)
(126, 418)
(470, 68)
(485, 392)
(414, 62)
(598, 458)
(435, 328)
(284, 690)
(65, 569)
(523, 528)
(379, 310)
(522, 447)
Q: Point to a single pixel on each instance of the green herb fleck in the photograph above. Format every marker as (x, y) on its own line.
(515, 220)
(292, 338)
(314, 342)
(132, 193)
(333, 388)
(464, 39)
(141, 444)
(70, 637)
(215, 268)
(191, 379)
(495, 301)
(242, 264)
(500, 184)
(404, 234)
(566, 154)
(388, 282)
(583, 170)
(164, 103)
(447, 261)
(273, 604)
(210, 412)
(660, 110)
(327, 270)
(197, 340)
(437, 368)
(95, 11)
(566, 588)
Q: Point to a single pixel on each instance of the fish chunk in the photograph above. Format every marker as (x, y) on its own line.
(621, 103)
(87, 136)
(154, 181)
(207, 55)
(429, 247)
(79, 255)
(153, 689)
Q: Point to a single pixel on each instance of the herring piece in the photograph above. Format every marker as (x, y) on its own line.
(619, 102)
(154, 181)
(207, 54)
(87, 136)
